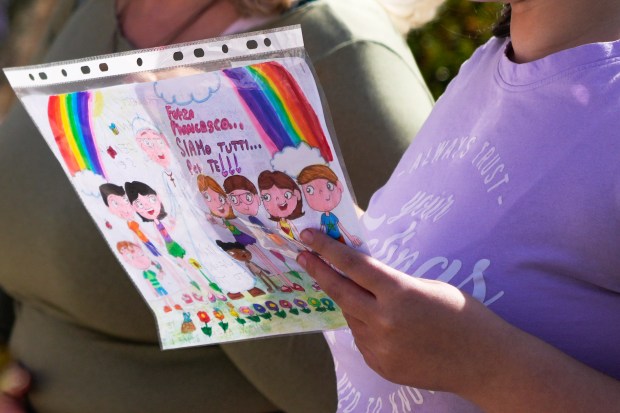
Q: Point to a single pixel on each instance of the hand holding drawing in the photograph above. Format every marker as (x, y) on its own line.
(428, 334)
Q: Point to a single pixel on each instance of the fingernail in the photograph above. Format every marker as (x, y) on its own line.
(307, 236)
(301, 260)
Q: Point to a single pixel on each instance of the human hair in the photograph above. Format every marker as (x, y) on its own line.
(108, 189)
(135, 188)
(501, 28)
(206, 182)
(312, 172)
(269, 179)
(407, 15)
(235, 182)
(126, 245)
(261, 7)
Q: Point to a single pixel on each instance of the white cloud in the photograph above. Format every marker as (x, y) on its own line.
(87, 183)
(184, 91)
(292, 160)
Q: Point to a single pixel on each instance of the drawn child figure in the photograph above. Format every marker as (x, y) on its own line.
(146, 203)
(134, 256)
(216, 200)
(244, 198)
(323, 193)
(154, 144)
(240, 253)
(282, 200)
(118, 204)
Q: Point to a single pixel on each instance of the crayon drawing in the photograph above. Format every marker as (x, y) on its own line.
(201, 185)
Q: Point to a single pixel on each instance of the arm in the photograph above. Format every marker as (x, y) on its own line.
(294, 229)
(356, 241)
(439, 338)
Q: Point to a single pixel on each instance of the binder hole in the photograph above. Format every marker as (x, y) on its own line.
(103, 67)
(64, 72)
(177, 56)
(139, 61)
(31, 76)
(251, 44)
(85, 69)
(199, 52)
(224, 48)
(267, 41)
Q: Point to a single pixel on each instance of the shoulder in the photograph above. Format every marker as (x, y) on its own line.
(485, 55)
(88, 32)
(479, 68)
(331, 25)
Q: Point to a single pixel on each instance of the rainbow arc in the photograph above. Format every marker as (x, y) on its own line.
(71, 123)
(278, 108)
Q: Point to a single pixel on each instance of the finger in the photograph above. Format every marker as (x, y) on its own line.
(364, 270)
(14, 381)
(352, 298)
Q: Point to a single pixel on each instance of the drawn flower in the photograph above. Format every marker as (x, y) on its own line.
(260, 308)
(262, 311)
(288, 306)
(250, 313)
(314, 302)
(302, 304)
(218, 314)
(203, 316)
(233, 312)
(328, 303)
(276, 310)
(246, 310)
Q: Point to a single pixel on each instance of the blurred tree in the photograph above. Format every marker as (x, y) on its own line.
(444, 44)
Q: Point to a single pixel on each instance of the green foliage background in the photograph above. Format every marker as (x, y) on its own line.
(443, 45)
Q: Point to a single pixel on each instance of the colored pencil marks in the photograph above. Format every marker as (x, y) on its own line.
(278, 108)
(70, 119)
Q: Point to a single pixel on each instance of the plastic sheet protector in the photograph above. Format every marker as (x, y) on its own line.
(200, 164)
